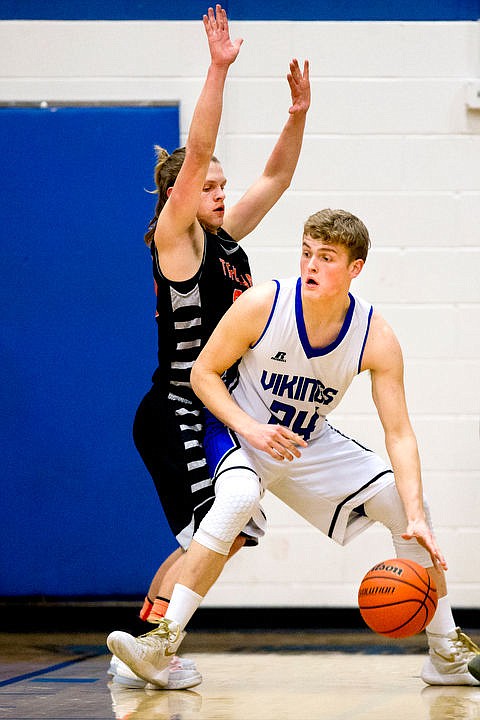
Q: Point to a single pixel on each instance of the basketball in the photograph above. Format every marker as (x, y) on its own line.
(397, 598)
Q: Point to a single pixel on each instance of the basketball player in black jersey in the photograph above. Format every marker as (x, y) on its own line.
(199, 270)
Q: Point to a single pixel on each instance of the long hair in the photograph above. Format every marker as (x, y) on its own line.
(165, 173)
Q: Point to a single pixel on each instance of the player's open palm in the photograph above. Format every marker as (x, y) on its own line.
(299, 87)
(222, 50)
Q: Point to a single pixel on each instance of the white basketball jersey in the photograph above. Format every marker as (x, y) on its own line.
(282, 379)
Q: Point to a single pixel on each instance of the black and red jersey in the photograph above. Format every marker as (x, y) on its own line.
(187, 312)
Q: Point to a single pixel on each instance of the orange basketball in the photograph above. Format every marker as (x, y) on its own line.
(397, 598)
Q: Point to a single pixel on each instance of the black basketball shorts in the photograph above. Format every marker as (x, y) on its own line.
(168, 434)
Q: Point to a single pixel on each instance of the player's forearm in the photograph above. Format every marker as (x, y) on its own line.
(207, 114)
(210, 389)
(283, 160)
(403, 454)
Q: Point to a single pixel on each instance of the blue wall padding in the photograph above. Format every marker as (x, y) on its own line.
(80, 515)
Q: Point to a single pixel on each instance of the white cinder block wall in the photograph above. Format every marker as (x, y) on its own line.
(390, 138)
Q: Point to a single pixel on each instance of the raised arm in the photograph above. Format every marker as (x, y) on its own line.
(240, 327)
(177, 223)
(252, 207)
(383, 357)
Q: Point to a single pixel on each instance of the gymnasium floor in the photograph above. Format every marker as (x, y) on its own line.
(300, 675)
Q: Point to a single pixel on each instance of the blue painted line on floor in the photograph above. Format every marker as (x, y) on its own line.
(347, 649)
(63, 680)
(52, 668)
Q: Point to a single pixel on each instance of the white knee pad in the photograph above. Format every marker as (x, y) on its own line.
(386, 507)
(237, 494)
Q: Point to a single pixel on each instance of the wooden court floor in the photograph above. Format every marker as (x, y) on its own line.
(300, 675)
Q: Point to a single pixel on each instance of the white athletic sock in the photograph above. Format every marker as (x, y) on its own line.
(183, 604)
(443, 621)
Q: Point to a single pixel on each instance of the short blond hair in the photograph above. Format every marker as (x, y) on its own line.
(339, 227)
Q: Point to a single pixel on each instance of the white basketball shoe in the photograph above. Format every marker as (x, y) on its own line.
(448, 659)
(148, 656)
(182, 674)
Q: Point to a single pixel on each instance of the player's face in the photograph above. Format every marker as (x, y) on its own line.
(211, 209)
(326, 269)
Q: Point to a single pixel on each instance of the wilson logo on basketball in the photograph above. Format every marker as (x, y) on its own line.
(389, 568)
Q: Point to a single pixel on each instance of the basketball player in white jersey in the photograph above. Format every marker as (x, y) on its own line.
(301, 342)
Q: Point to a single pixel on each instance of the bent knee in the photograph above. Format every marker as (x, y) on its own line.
(240, 490)
(236, 499)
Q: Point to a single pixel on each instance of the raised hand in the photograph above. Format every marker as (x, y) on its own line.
(222, 50)
(299, 87)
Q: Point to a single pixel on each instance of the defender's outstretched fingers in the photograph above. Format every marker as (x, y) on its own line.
(221, 17)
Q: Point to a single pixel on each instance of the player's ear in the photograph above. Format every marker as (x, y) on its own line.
(169, 191)
(356, 267)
